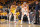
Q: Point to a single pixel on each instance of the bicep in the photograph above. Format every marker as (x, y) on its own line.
(28, 8)
(11, 7)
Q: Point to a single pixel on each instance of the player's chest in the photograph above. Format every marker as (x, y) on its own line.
(25, 8)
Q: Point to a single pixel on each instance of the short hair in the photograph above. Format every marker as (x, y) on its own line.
(36, 1)
(24, 2)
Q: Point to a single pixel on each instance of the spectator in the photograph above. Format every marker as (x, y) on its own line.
(37, 13)
(7, 10)
(18, 7)
(1, 6)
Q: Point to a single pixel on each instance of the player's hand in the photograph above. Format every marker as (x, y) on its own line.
(38, 10)
(22, 13)
(29, 10)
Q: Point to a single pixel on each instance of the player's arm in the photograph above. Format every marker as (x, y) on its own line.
(11, 7)
(28, 8)
(21, 8)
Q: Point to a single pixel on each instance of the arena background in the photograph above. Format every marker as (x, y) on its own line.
(6, 4)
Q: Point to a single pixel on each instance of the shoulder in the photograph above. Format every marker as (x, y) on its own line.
(11, 5)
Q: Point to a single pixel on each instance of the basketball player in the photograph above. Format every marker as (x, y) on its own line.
(13, 11)
(25, 10)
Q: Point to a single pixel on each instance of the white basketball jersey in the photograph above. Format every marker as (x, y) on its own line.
(24, 9)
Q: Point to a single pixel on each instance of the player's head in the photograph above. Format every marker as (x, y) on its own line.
(24, 3)
(36, 2)
(14, 2)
